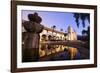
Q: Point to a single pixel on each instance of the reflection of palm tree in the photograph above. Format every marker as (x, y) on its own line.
(83, 17)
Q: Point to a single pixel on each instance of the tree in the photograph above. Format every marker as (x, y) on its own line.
(53, 27)
(61, 29)
(83, 17)
(87, 36)
(76, 15)
(87, 32)
(84, 32)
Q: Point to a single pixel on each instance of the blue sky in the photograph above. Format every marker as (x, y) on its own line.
(60, 19)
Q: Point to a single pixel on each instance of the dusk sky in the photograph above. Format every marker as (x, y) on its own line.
(60, 19)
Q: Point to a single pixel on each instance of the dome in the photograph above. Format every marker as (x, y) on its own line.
(70, 29)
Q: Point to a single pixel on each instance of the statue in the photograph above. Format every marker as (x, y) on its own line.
(31, 43)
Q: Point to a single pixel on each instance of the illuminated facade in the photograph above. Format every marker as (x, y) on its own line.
(72, 35)
(58, 35)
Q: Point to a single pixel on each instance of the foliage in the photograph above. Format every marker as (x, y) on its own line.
(83, 17)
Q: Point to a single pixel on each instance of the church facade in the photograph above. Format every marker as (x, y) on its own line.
(58, 35)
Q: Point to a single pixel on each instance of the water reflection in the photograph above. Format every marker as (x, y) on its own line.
(50, 52)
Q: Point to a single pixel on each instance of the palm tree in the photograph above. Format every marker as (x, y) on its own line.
(61, 29)
(84, 32)
(83, 17)
(87, 35)
(87, 32)
(53, 27)
(76, 15)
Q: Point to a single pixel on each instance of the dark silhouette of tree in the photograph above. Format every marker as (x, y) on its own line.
(65, 34)
(83, 17)
(61, 29)
(76, 15)
(53, 27)
(84, 32)
(86, 37)
(87, 32)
